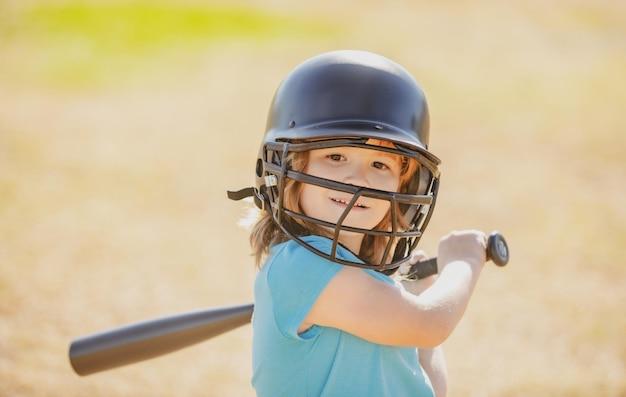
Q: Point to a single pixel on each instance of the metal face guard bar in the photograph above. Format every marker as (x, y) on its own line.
(400, 198)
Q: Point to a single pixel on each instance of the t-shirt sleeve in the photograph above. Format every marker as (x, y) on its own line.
(296, 278)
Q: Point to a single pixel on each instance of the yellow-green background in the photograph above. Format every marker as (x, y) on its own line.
(122, 124)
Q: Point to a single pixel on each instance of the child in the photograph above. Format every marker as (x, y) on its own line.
(346, 187)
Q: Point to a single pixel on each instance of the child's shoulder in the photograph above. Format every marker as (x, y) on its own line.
(323, 244)
(291, 252)
(291, 264)
(291, 256)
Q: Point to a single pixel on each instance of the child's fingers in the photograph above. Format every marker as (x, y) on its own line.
(417, 256)
(413, 258)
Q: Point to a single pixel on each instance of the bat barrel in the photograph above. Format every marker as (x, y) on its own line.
(148, 339)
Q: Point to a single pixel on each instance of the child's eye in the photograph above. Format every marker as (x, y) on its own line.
(336, 157)
(380, 165)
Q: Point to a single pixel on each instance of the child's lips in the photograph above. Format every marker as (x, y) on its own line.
(344, 203)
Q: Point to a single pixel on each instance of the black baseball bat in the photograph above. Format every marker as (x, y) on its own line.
(152, 338)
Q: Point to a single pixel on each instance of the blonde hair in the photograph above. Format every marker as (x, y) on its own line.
(266, 232)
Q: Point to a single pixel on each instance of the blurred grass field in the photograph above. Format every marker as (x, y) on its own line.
(122, 124)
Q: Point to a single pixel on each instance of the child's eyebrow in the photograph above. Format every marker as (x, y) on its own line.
(373, 143)
(392, 156)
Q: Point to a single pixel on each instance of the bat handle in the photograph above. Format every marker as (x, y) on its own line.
(497, 252)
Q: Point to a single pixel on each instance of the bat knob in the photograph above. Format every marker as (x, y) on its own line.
(497, 249)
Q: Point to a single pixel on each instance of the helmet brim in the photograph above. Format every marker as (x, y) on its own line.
(377, 131)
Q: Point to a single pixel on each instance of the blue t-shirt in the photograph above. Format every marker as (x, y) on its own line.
(322, 361)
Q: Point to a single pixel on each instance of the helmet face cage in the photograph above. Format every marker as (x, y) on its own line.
(414, 206)
(338, 99)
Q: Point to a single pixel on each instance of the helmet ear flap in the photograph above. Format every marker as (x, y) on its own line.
(420, 183)
(424, 179)
(261, 196)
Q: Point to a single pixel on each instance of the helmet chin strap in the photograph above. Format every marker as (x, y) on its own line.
(241, 194)
(237, 195)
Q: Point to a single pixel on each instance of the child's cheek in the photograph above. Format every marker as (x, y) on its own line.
(388, 183)
(318, 168)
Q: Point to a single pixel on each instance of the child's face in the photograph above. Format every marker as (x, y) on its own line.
(356, 166)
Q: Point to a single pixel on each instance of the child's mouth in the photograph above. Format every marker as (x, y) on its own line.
(344, 203)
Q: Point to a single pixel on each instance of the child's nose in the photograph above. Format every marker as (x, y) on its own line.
(357, 175)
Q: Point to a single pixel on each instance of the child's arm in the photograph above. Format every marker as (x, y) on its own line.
(431, 360)
(357, 303)
(434, 364)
